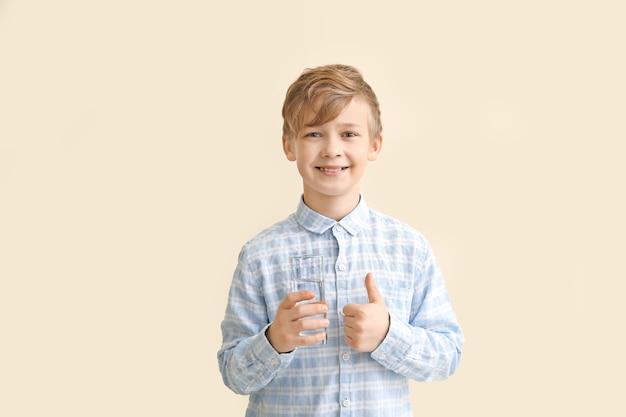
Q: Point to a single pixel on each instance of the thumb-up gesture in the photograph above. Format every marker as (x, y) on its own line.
(366, 325)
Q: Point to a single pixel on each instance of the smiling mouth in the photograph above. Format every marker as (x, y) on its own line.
(332, 169)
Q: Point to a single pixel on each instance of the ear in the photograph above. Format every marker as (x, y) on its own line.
(288, 148)
(375, 148)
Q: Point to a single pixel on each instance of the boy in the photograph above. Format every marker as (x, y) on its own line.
(382, 316)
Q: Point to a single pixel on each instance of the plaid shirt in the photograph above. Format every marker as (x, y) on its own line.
(423, 343)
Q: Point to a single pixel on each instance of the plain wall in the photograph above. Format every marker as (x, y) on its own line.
(140, 149)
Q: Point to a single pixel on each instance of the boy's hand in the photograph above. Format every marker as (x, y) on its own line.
(366, 325)
(284, 332)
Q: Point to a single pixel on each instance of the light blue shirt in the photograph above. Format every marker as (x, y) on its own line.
(423, 343)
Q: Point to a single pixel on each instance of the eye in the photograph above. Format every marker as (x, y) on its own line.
(313, 135)
(350, 134)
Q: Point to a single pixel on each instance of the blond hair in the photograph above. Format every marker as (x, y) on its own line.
(327, 90)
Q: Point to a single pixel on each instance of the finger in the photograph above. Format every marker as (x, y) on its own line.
(349, 341)
(312, 339)
(295, 297)
(311, 309)
(349, 310)
(349, 323)
(312, 324)
(373, 292)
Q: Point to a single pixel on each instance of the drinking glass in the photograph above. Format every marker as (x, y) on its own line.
(308, 274)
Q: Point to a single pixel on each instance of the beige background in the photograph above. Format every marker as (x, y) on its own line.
(140, 148)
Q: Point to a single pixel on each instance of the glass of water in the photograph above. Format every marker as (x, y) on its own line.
(308, 274)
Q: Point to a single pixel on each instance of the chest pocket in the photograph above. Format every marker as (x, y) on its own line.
(398, 300)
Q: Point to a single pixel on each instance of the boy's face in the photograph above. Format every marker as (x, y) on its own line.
(332, 157)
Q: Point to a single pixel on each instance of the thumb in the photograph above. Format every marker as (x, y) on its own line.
(373, 292)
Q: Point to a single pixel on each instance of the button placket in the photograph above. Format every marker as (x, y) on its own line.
(341, 270)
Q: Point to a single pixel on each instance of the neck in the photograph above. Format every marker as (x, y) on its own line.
(333, 207)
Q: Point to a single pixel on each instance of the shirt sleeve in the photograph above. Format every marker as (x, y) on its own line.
(247, 361)
(428, 346)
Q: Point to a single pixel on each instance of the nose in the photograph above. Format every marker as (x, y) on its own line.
(332, 146)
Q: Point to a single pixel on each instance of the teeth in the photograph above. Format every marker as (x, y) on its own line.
(330, 170)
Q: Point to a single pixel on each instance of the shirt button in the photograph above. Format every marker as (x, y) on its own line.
(346, 403)
(345, 356)
(382, 356)
(342, 267)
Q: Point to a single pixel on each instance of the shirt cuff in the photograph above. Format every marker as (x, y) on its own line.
(265, 353)
(395, 346)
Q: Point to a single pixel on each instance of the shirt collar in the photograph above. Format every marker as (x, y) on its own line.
(353, 223)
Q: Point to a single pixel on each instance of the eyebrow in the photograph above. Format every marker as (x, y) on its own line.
(349, 125)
